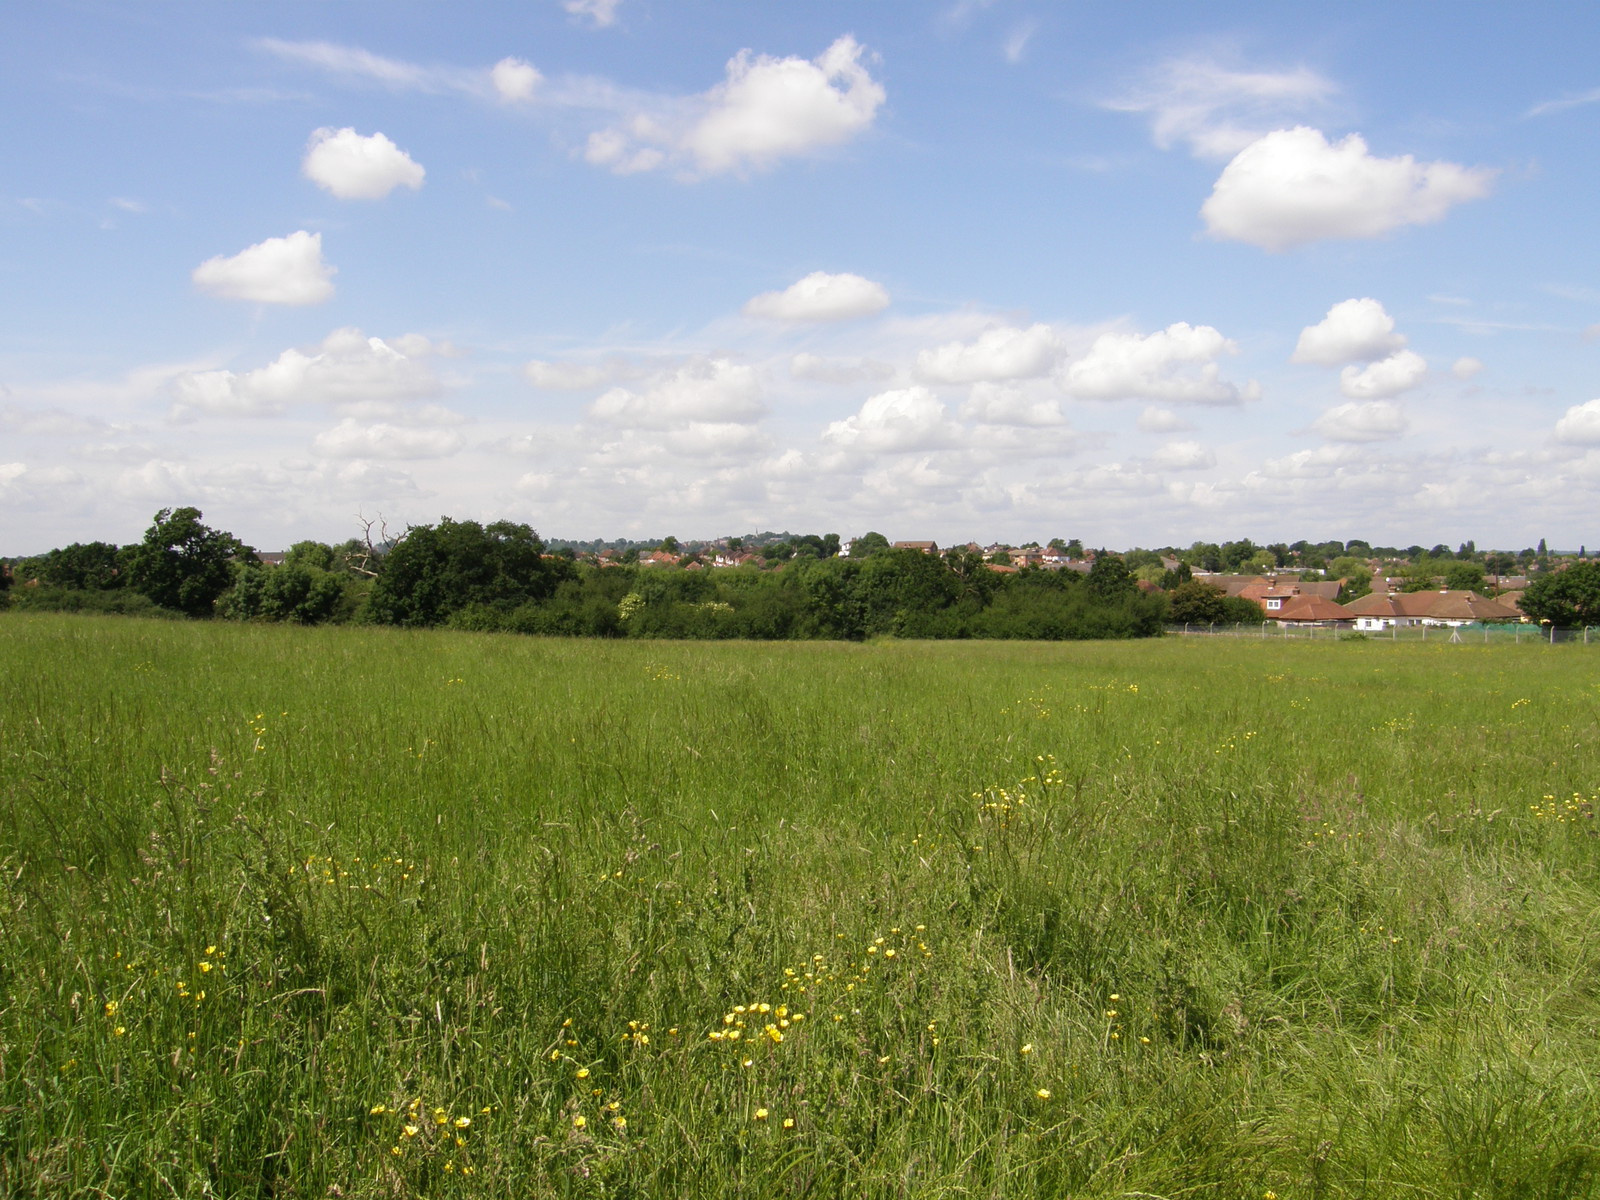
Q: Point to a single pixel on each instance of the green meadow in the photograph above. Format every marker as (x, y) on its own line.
(351, 912)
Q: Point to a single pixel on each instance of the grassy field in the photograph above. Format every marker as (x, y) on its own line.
(346, 912)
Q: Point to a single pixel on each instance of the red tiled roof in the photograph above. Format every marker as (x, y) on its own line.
(1313, 608)
(1438, 606)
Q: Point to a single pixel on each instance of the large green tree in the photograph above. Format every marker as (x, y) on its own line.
(297, 592)
(437, 570)
(85, 566)
(1199, 603)
(1565, 598)
(182, 564)
(1196, 603)
(1110, 579)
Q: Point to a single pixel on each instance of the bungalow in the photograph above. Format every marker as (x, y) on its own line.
(925, 547)
(1274, 596)
(1307, 610)
(1379, 611)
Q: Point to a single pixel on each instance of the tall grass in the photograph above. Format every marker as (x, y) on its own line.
(290, 912)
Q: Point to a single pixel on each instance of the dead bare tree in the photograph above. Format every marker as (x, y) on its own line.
(364, 561)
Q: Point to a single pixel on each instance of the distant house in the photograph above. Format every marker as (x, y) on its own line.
(1255, 587)
(658, 558)
(1312, 610)
(1379, 611)
(1271, 598)
(925, 547)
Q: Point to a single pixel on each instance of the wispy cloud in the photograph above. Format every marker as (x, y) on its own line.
(1218, 110)
(1545, 108)
(354, 63)
(601, 14)
(959, 14)
(1016, 43)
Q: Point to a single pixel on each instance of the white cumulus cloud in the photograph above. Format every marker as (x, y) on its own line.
(1155, 419)
(1390, 376)
(346, 368)
(514, 80)
(1372, 421)
(710, 390)
(997, 354)
(1581, 425)
(1007, 404)
(1184, 456)
(352, 439)
(284, 270)
(1466, 368)
(821, 297)
(717, 439)
(1353, 331)
(910, 418)
(353, 167)
(1177, 365)
(1293, 186)
(765, 110)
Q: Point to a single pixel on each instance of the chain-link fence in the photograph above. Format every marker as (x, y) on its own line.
(1477, 632)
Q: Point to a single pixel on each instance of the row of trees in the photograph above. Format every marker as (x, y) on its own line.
(1245, 556)
(496, 577)
(501, 577)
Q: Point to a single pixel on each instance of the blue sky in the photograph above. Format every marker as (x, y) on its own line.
(1133, 273)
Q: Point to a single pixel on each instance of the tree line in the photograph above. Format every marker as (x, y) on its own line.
(503, 577)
